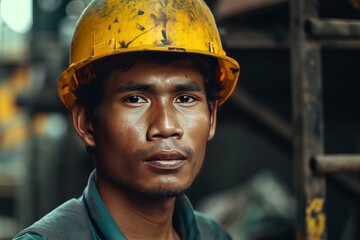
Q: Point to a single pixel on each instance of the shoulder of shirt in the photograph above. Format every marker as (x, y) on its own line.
(212, 226)
(70, 219)
(30, 236)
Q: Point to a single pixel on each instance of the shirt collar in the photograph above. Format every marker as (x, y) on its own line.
(100, 216)
(184, 218)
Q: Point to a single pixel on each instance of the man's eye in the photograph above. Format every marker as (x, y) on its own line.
(185, 99)
(135, 99)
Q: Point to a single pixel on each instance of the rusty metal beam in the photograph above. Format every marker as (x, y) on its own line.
(262, 113)
(325, 164)
(307, 122)
(343, 44)
(273, 37)
(333, 28)
(270, 37)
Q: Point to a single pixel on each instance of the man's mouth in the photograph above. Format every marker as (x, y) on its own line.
(166, 160)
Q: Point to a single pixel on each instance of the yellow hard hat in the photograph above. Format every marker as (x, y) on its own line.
(109, 27)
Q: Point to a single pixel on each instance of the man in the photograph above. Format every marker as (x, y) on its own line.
(145, 80)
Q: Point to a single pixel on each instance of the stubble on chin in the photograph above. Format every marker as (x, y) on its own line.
(166, 191)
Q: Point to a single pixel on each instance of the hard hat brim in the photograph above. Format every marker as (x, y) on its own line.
(69, 82)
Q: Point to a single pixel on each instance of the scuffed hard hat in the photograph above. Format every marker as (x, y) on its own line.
(109, 27)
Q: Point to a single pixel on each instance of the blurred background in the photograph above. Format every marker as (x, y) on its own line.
(256, 180)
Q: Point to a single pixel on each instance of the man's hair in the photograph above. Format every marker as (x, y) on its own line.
(91, 94)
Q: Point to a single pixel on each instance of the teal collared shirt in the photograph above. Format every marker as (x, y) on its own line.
(187, 222)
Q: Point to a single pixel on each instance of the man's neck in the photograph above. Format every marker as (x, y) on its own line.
(139, 216)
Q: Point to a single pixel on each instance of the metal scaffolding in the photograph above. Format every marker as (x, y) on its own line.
(308, 34)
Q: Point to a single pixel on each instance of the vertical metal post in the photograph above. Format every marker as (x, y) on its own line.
(308, 122)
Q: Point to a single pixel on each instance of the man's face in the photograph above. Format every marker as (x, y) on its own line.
(152, 128)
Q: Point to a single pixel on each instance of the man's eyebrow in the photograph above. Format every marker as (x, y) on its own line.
(133, 87)
(191, 86)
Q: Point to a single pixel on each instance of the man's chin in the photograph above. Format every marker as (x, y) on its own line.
(165, 193)
(167, 187)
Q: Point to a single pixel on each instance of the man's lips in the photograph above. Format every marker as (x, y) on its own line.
(166, 155)
(166, 160)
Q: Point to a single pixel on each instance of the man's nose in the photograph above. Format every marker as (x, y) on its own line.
(164, 123)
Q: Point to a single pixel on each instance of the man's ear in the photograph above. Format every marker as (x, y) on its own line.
(83, 125)
(213, 115)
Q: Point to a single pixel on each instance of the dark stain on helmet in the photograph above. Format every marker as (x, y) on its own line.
(114, 22)
(102, 9)
(139, 12)
(165, 40)
(126, 1)
(192, 17)
(123, 44)
(155, 19)
(179, 4)
(140, 27)
(161, 19)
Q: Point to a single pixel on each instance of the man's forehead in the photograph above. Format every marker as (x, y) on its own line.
(97, 73)
(143, 75)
